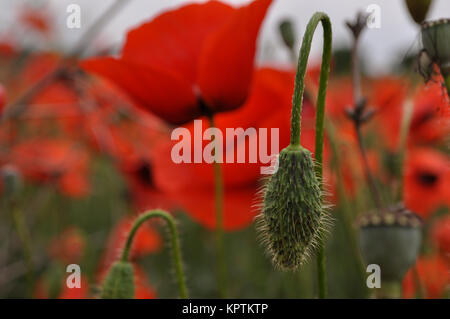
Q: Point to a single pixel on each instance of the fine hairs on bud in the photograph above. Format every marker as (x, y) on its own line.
(293, 219)
(119, 283)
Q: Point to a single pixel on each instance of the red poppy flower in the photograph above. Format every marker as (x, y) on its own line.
(75, 293)
(2, 98)
(52, 161)
(434, 276)
(441, 236)
(142, 288)
(7, 49)
(68, 247)
(184, 59)
(142, 190)
(192, 184)
(36, 19)
(43, 289)
(387, 97)
(427, 123)
(426, 181)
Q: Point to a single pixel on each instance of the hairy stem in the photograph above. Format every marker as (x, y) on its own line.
(297, 101)
(176, 251)
(220, 248)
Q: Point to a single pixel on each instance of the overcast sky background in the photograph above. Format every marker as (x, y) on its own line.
(381, 46)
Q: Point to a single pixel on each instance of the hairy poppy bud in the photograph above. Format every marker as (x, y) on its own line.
(287, 33)
(293, 219)
(390, 239)
(418, 9)
(119, 283)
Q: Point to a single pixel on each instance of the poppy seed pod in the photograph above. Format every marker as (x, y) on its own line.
(119, 283)
(293, 220)
(390, 239)
(435, 41)
(418, 9)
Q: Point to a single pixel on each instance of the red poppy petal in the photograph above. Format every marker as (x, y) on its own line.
(173, 40)
(226, 63)
(163, 93)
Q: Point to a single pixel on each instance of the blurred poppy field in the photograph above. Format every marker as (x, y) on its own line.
(86, 148)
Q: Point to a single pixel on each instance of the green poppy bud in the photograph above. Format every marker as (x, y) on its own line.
(390, 239)
(292, 220)
(418, 9)
(287, 33)
(119, 283)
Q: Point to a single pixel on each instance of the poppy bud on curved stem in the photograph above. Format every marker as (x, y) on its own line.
(390, 239)
(436, 45)
(293, 219)
(119, 283)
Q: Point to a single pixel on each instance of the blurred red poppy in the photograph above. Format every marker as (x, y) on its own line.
(142, 288)
(441, 236)
(428, 125)
(387, 97)
(75, 293)
(44, 288)
(192, 184)
(68, 247)
(433, 274)
(52, 160)
(142, 190)
(36, 19)
(426, 181)
(188, 59)
(2, 98)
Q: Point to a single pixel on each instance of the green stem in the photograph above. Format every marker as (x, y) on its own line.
(389, 290)
(404, 130)
(297, 98)
(176, 252)
(25, 240)
(346, 211)
(220, 248)
(297, 101)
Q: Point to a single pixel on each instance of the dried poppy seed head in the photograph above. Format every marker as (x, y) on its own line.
(391, 239)
(293, 219)
(119, 283)
(435, 35)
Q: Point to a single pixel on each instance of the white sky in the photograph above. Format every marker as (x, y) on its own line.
(381, 46)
